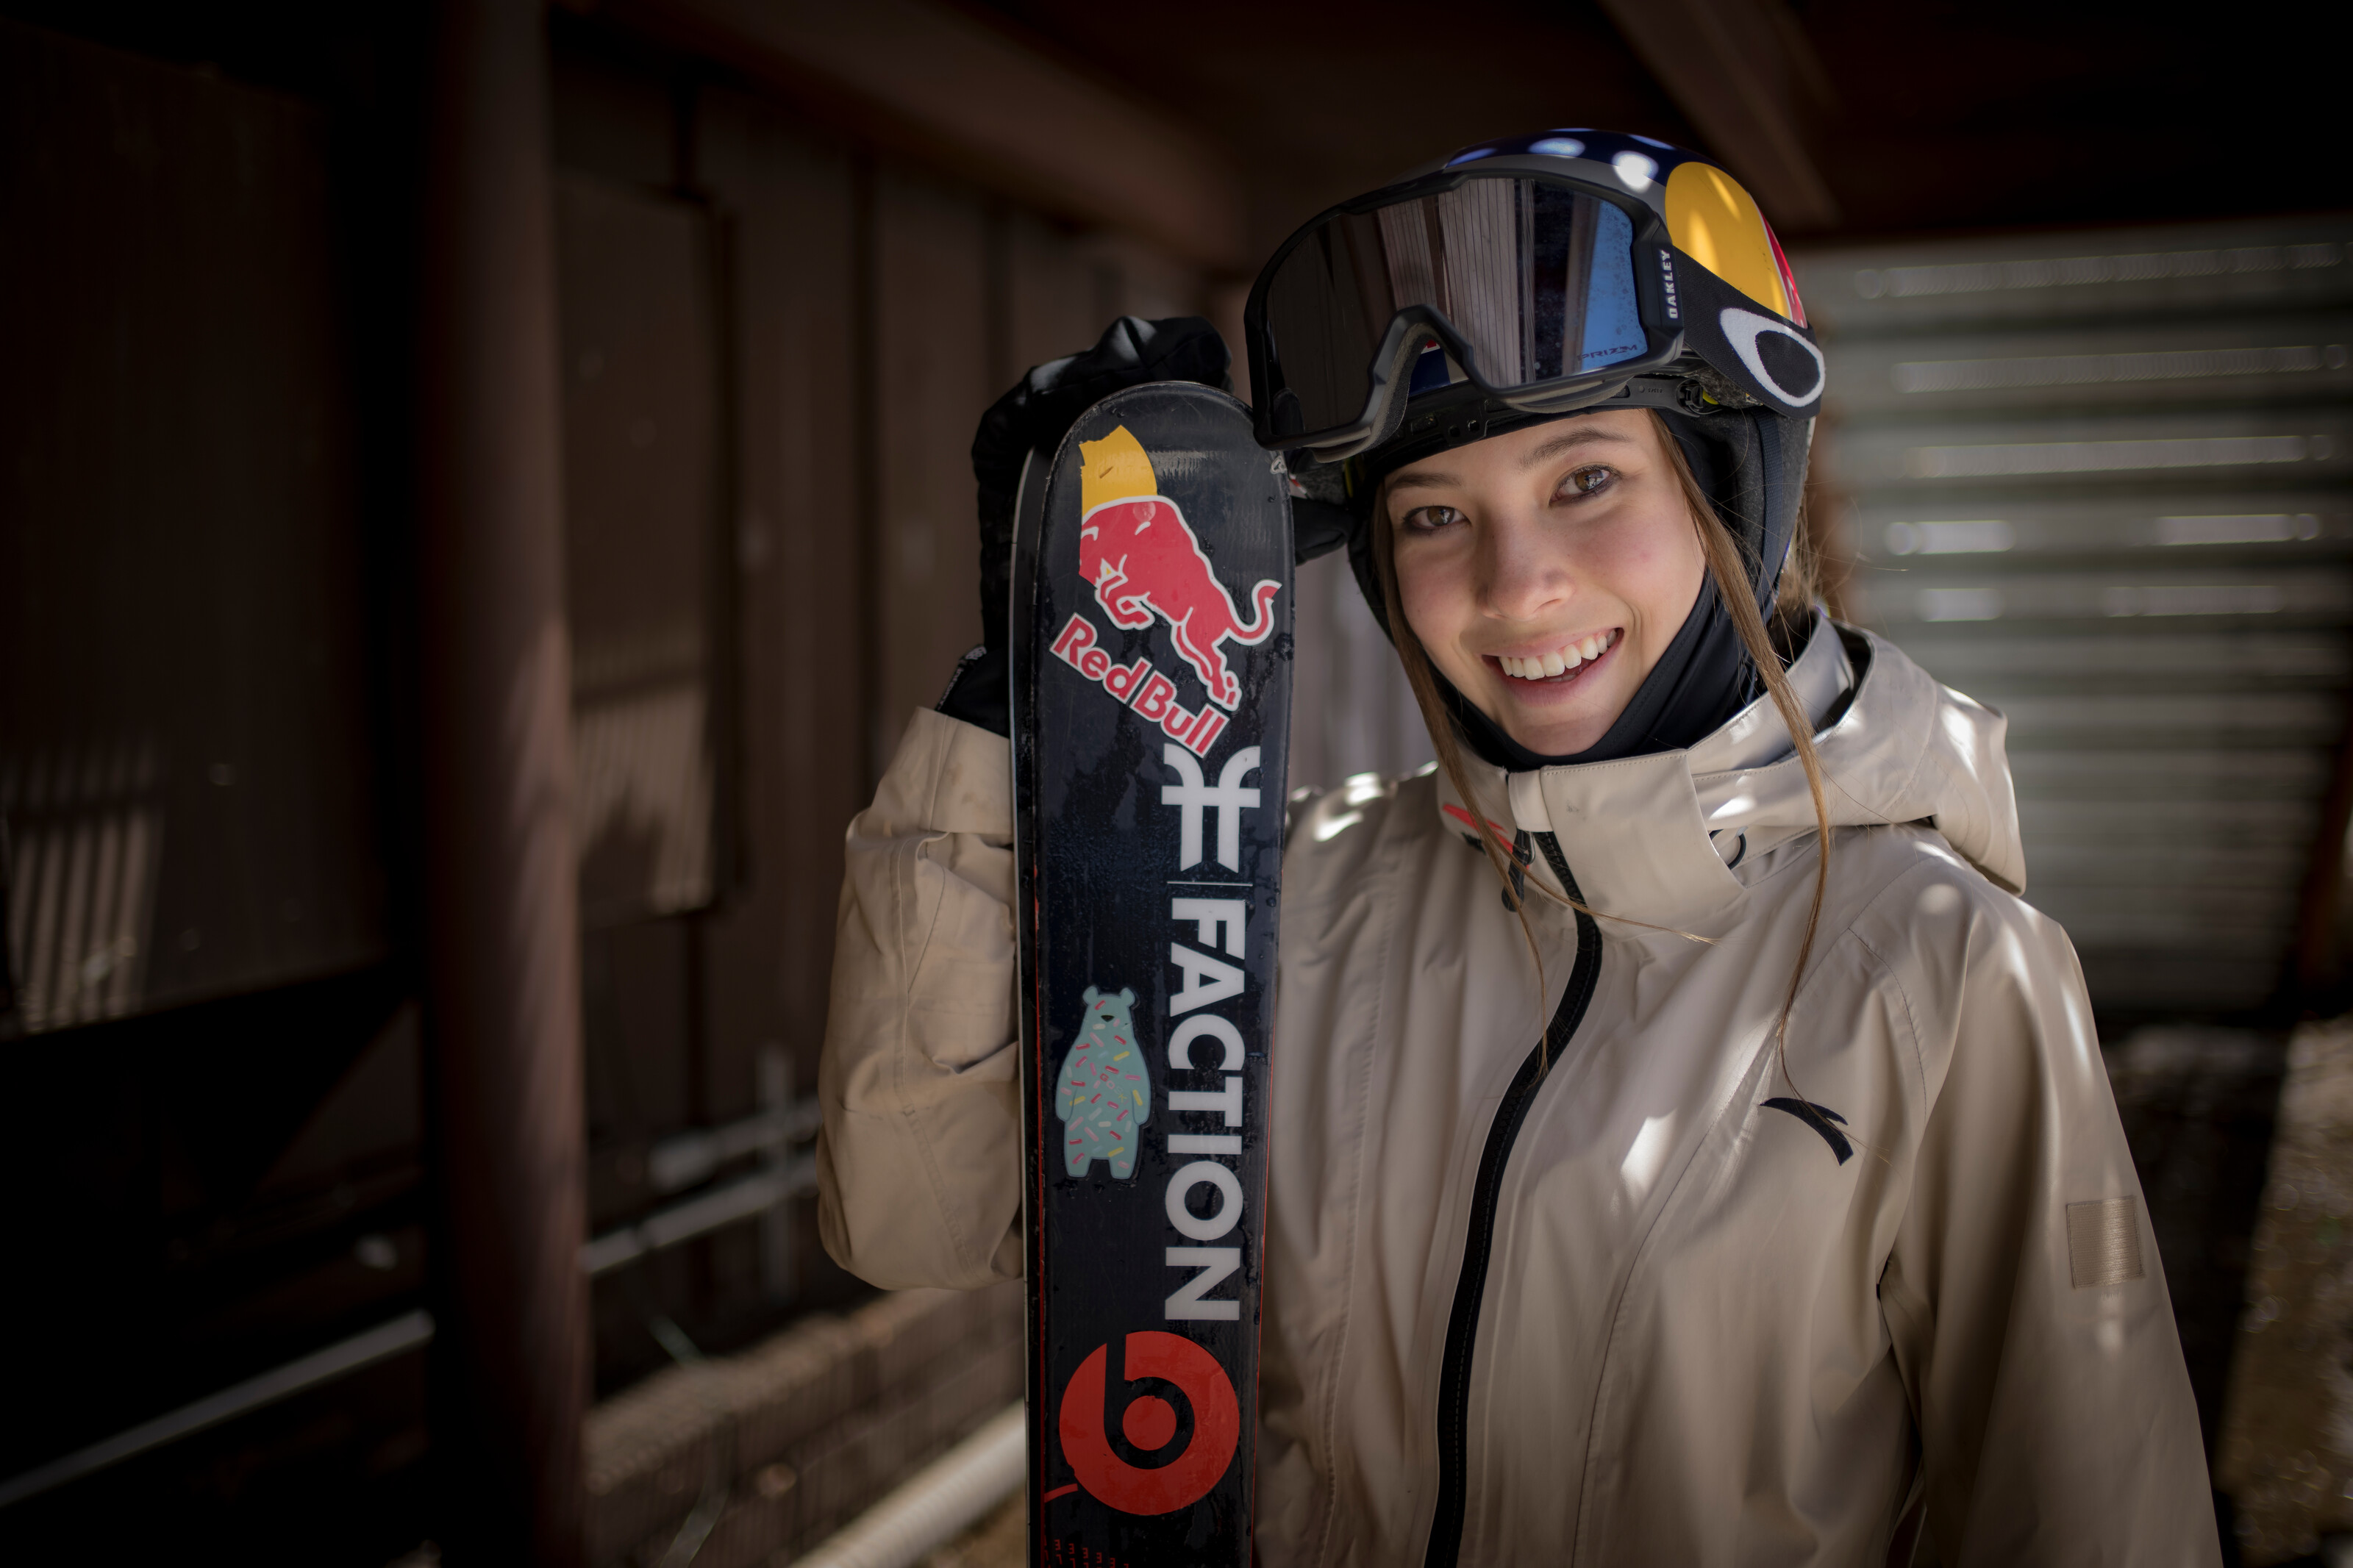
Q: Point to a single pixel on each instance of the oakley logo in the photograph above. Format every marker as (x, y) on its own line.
(1667, 277)
(1785, 363)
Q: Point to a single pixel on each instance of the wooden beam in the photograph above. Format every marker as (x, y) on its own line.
(920, 78)
(510, 1377)
(1741, 71)
(2317, 966)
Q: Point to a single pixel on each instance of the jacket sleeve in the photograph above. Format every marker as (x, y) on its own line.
(2024, 1294)
(919, 1164)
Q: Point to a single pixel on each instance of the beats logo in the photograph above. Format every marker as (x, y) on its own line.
(1150, 1423)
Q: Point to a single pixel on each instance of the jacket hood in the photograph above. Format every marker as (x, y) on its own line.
(1658, 838)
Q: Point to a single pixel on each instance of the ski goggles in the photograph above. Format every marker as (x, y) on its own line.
(1545, 281)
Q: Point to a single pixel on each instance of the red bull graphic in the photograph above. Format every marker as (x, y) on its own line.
(1142, 556)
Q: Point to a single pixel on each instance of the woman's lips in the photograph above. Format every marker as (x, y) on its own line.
(1559, 666)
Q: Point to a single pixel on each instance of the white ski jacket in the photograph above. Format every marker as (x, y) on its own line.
(1675, 1301)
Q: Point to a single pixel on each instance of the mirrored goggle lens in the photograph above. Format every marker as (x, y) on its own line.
(1538, 277)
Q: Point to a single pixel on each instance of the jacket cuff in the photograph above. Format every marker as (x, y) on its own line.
(948, 776)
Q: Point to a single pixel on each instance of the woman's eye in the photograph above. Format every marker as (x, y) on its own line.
(1430, 519)
(1587, 481)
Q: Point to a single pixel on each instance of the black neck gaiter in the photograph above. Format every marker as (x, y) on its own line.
(1702, 678)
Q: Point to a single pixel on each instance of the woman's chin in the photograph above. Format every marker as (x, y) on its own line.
(1557, 738)
(1556, 721)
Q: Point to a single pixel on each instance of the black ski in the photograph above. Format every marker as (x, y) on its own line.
(1151, 657)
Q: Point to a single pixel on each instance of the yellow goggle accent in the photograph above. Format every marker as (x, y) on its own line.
(1714, 222)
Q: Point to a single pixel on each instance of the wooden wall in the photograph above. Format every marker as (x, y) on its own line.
(868, 310)
(777, 339)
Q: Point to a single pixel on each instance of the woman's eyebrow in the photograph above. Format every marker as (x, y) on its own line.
(1545, 452)
(1423, 482)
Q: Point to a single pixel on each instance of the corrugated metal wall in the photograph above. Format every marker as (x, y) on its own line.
(2101, 481)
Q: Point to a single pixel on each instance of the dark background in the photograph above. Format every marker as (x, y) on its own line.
(783, 305)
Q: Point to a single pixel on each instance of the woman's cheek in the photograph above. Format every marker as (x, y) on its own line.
(1434, 590)
(1426, 591)
(1658, 570)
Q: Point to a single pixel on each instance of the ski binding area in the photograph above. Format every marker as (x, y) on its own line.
(1152, 692)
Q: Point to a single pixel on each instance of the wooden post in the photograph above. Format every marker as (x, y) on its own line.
(2312, 972)
(512, 1365)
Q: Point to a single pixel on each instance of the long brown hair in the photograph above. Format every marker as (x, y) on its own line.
(1727, 565)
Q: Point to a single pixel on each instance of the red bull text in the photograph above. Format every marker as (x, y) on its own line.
(1138, 686)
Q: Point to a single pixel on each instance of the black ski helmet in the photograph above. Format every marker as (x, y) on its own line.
(1526, 278)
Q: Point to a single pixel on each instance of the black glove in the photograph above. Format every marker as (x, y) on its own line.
(1035, 416)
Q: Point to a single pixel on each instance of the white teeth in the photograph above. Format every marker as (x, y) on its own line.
(1544, 666)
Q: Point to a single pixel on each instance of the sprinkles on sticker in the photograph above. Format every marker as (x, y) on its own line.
(1100, 1129)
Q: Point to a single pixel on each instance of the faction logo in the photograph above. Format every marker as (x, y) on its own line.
(1137, 550)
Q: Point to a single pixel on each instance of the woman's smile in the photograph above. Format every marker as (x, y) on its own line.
(1544, 570)
(1562, 664)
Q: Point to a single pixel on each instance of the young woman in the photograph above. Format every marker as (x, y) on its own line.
(1690, 1149)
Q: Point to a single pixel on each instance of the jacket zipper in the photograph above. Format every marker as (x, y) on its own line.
(1469, 1288)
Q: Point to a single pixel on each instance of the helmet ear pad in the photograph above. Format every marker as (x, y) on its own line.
(1767, 356)
(1751, 465)
(1368, 572)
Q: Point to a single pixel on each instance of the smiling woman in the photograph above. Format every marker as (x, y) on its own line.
(1721, 1191)
(1546, 575)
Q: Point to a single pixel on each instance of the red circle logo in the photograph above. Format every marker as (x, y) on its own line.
(1150, 1423)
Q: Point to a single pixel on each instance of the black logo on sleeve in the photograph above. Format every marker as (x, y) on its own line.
(1819, 1118)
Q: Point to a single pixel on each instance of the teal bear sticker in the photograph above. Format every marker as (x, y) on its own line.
(1104, 1095)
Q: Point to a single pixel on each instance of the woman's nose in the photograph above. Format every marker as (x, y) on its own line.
(1523, 571)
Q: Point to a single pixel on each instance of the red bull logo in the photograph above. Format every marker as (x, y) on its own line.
(1141, 555)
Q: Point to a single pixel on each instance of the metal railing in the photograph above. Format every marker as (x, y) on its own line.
(672, 1165)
